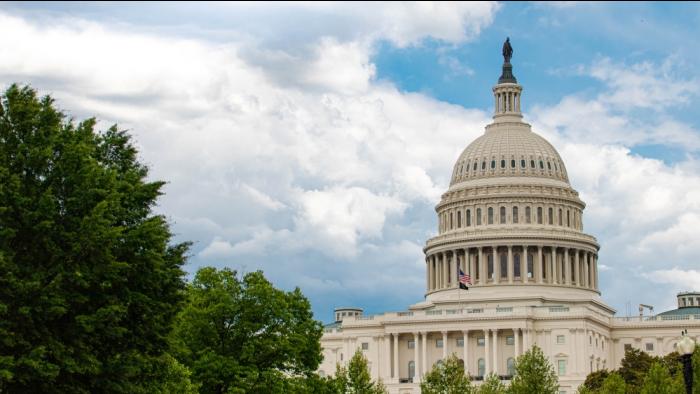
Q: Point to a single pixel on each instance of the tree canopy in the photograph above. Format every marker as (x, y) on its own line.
(89, 279)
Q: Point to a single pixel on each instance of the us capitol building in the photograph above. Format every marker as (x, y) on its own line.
(512, 222)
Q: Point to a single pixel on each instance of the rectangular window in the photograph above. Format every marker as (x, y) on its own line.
(560, 339)
(562, 367)
(365, 346)
(460, 342)
(438, 343)
(650, 347)
(411, 344)
(480, 341)
(510, 340)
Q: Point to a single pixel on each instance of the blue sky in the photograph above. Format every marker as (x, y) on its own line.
(313, 141)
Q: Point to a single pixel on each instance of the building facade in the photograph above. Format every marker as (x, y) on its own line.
(511, 221)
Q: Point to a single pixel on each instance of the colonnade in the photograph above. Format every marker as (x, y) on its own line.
(535, 264)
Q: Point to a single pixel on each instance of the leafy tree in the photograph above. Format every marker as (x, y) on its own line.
(492, 385)
(447, 377)
(534, 374)
(244, 335)
(634, 367)
(594, 380)
(659, 381)
(89, 282)
(614, 384)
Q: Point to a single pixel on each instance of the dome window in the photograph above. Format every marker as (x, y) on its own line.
(512, 164)
(522, 163)
(503, 164)
(493, 164)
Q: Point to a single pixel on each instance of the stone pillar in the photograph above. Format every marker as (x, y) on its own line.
(511, 268)
(540, 274)
(567, 267)
(416, 357)
(396, 358)
(516, 338)
(495, 351)
(444, 345)
(483, 272)
(496, 264)
(487, 356)
(465, 336)
(523, 265)
(424, 361)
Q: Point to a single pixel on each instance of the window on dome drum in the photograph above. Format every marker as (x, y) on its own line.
(469, 217)
(459, 219)
(510, 366)
(539, 215)
(527, 215)
(562, 367)
(490, 215)
(411, 369)
(532, 163)
(503, 164)
(365, 345)
(522, 163)
(560, 217)
(504, 266)
(460, 342)
(478, 216)
(503, 215)
(530, 271)
(516, 265)
(551, 216)
(515, 214)
(438, 343)
(512, 164)
(493, 164)
(482, 367)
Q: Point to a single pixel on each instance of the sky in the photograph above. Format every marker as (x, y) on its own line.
(312, 141)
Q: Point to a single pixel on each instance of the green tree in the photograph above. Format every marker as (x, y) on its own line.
(244, 335)
(634, 367)
(659, 381)
(492, 385)
(613, 384)
(594, 380)
(534, 374)
(89, 281)
(447, 377)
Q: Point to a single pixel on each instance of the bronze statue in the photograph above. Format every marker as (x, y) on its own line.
(507, 51)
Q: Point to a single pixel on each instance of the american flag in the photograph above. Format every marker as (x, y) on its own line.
(464, 278)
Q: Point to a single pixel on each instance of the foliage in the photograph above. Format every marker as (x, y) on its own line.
(594, 380)
(634, 367)
(447, 377)
(244, 335)
(89, 283)
(492, 385)
(659, 381)
(614, 384)
(534, 374)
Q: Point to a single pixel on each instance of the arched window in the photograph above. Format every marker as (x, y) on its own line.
(504, 265)
(478, 216)
(411, 369)
(516, 265)
(522, 163)
(515, 214)
(539, 215)
(482, 367)
(490, 266)
(490, 217)
(551, 216)
(560, 217)
(510, 364)
(459, 219)
(503, 215)
(503, 164)
(512, 164)
(469, 217)
(530, 269)
(493, 164)
(527, 215)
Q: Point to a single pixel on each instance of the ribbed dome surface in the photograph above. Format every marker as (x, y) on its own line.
(508, 152)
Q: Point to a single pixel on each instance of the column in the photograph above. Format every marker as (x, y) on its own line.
(444, 345)
(496, 264)
(482, 267)
(465, 338)
(396, 357)
(567, 267)
(511, 273)
(516, 337)
(539, 264)
(416, 357)
(523, 265)
(424, 361)
(495, 351)
(577, 267)
(487, 356)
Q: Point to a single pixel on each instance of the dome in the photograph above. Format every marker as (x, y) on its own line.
(509, 150)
